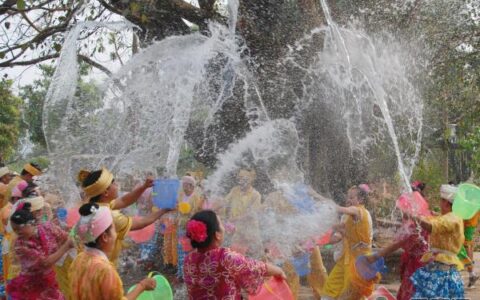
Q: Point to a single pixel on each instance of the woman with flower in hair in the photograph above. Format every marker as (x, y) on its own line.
(343, 281)
(92, 275)
(38, 248)
(214, 272)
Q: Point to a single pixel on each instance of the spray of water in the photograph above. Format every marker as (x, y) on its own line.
(141, 121)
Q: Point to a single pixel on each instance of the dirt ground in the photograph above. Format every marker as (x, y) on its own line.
(132, 271)
(471, 294)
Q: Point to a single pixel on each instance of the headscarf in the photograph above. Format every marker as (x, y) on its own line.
(4, 171)
(32, 170)
(90, 227)
(189, 179)
(448, 192)
(36, 202)
(247, 174)
(17, 190)
(99, 186)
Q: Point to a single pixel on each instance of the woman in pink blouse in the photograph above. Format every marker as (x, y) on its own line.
(212, 272)
(38, 248)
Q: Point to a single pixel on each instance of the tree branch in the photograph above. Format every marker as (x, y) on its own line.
(95, 64)
(28, 62)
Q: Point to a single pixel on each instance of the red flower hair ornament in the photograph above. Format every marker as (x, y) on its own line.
(196, 231)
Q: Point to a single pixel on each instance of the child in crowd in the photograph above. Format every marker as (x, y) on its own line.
(92, 275)
(38, 248)
(214, 272)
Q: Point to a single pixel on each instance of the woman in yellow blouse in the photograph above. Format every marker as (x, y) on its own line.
(100, 187)
(343, 282)
(440, 278)
(92, 275)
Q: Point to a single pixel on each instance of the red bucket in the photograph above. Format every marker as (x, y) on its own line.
(142, 235)
(274, 289)
(413, 203)
(381, 293)
(72, 216)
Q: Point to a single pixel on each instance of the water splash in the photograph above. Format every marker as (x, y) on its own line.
(367, 84)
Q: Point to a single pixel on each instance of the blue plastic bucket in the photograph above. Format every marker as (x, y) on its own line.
(62, 214)
(165, 193)
(368, 271)
(302, 264)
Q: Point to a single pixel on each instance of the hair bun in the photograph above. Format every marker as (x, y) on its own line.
(82, 175)
(27, 206)
(86, 209)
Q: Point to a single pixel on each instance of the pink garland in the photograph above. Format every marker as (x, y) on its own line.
(197, 231)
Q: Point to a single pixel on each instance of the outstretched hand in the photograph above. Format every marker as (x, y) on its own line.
(148, 182)
(148, 284)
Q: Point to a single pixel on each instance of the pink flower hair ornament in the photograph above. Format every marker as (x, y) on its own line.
(364, 187)
(197, 231)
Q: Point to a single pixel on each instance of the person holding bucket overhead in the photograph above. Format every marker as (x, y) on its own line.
(215, 272)
(344, 282)
(92, 275)
(440, 277)
(100, 188)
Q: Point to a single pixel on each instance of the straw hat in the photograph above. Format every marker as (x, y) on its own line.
(4, 171)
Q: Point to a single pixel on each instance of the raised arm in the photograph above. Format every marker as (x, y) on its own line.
(351, 210)
(131, 197)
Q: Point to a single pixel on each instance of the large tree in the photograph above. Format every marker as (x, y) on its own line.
(9, 120)
(34, 31)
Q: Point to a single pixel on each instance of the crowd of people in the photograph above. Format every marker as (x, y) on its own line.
(227, 257)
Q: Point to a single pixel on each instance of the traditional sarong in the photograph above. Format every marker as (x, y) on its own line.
(438, 281)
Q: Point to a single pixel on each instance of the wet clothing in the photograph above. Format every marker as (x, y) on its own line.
(221, 273)
(93, 276)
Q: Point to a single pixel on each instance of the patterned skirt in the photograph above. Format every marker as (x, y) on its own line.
(437, 280)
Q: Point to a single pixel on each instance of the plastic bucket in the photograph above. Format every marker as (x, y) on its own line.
(467, 201)
(325, 239)
(273, 289)
(142, 235)
(162, 291)
(381, 293)
(413, 203)
(72, 216)
(368, 271)
(165, 193)
(62, 214)
(302, 264)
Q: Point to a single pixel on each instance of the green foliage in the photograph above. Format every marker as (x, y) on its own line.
(429, 171)
(471, 142)
(34, 97)
(9, 120)
(187, 161)
(42, 161)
